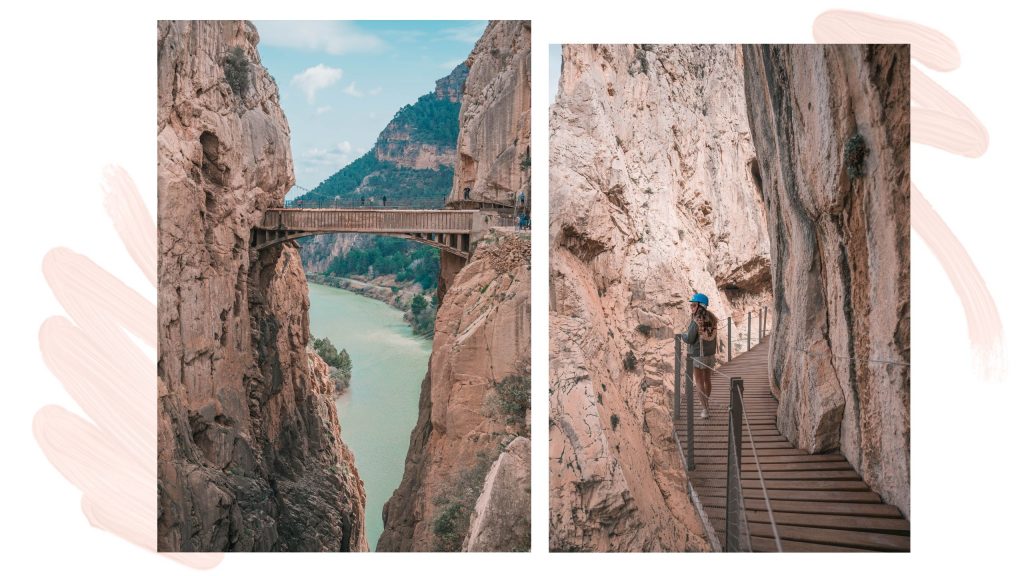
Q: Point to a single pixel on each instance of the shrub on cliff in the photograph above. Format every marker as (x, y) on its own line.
(340, 362)
(236, 71)
(454, 506)
(513, 396)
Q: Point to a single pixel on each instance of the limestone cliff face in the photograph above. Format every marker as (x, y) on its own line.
(465, 427)
(652, 198)
(250, 455)
(831, 127)
(493, 151)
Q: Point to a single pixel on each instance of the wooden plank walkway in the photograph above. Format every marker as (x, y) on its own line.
(819, 501)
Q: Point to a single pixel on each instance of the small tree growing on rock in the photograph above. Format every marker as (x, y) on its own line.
(236, 71)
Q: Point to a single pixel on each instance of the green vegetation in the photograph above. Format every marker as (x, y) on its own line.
(644, 329)
(340, 363)
(407, 260)
(854, 152)
(236, 71)
(513, 397)
(629, 362)
(455, 504)
(524, 163)
(615, 421)
(422, 315)
(431, 120)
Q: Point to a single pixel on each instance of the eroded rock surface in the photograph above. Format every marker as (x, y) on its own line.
(831, 126)
(250, 454)
(653, 197)
(482, 338)
(493, 152)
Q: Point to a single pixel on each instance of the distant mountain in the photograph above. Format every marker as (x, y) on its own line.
(414, 156)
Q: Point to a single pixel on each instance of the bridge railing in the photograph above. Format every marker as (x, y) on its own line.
(370, 220)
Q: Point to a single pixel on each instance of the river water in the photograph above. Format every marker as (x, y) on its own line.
(380, 408)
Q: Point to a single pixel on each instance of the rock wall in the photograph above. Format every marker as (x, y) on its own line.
(493, 151)
(482, 337)
(250, 455)
(652, 198)
(831, 126)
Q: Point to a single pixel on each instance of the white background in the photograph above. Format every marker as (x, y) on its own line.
(79, 93)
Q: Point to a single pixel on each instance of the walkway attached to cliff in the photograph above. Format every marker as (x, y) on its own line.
(819, 502)
(448, 230)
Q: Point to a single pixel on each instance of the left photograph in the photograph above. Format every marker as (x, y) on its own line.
(344, 285)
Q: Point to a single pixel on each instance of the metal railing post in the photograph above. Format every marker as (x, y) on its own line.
(735, 514)
(690, 462)
(748, 329)
(729, 355)
(676, 403)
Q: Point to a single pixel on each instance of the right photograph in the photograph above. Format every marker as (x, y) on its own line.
(729, 298)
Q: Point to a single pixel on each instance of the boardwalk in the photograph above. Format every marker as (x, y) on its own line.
(449, 230)
(819, 501)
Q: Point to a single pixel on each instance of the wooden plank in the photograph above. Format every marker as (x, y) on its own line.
(837, 508)
(768, 545)
(849, 538)
(860, 523)
(800, 495)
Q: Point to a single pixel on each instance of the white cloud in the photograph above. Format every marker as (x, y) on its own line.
(375, 91)
(316, 78)
(322, 110)
(469, 33)
(331, 37)
(335, 156)
(351, 90)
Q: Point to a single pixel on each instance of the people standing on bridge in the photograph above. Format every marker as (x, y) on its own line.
(362, 200)
(465, 193)
(384, 199)
(702, 338)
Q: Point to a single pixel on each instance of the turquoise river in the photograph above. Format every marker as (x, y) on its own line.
(380, 408)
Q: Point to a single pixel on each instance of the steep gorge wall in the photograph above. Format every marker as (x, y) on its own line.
(482, 336)
(493, 149)
(653, 196)
(838, 209)
(494, 121)
(250, 455)
(467, 475)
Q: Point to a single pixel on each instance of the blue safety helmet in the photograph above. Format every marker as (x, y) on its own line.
(700, 299)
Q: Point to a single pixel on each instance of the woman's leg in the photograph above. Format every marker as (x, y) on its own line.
(703, 387)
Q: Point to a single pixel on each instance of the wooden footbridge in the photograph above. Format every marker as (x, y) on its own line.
(450, 230)
(818, 501)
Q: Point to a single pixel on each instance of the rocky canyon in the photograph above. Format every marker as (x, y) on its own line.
(831, 126)
(466, 484)
(250, 456)
(653, 184)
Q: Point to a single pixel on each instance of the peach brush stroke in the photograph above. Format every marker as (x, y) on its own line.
(113, 458)
(942, 121)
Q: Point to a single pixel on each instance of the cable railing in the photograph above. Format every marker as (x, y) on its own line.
(737, 532)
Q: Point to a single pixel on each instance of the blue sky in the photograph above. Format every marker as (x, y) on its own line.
(554, 70)
(342, 82)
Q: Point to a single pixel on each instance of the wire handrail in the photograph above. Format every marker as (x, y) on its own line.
(737, 533)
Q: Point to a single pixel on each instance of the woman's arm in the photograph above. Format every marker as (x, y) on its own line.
(691, 333)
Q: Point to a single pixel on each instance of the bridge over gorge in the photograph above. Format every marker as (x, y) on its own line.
(813, 502)
(453, 231)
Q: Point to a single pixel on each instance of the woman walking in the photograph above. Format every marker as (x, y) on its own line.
(702, 338)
